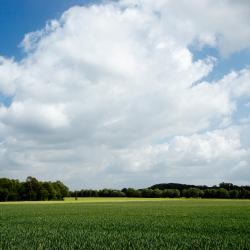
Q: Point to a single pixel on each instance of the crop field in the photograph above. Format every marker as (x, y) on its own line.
(118, 223)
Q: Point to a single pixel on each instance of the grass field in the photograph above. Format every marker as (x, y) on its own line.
(118, 223)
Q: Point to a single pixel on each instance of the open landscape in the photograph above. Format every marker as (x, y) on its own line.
(124, 124)
(126, 223)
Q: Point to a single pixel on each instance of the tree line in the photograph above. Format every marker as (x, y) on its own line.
(172, 190)
(31, 190)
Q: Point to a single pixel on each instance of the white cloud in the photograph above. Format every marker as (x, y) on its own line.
(9, 72)
(224, 23)
(28, 114)
(110, 94)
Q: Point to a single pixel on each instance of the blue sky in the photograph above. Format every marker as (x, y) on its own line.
(236, 61)
(20, 17)
(94, 101)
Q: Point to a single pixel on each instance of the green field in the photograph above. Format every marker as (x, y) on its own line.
(126, 223)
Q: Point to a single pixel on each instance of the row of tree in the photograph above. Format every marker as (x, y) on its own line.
(127, 192)
(227, 186)
(31, 189)
(216, 192)
(166, 193)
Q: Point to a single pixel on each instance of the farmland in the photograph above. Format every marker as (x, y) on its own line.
(126, 223)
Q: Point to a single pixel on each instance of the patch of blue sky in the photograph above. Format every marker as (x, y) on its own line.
(5, 100)
(20, 17)
(235, 62)
(224, 65)
(243, 110)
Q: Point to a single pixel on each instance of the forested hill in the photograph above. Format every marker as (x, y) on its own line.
(179, 186)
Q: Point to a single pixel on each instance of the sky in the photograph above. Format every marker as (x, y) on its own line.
(125, 93)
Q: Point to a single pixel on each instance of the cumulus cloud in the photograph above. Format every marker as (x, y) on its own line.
(110, 95)
(224, 24)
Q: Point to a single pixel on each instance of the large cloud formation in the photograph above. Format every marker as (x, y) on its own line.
(110, 95)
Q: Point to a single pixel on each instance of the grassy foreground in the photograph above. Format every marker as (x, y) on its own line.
(115, 223)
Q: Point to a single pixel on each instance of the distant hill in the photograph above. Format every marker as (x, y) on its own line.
(179, 186)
